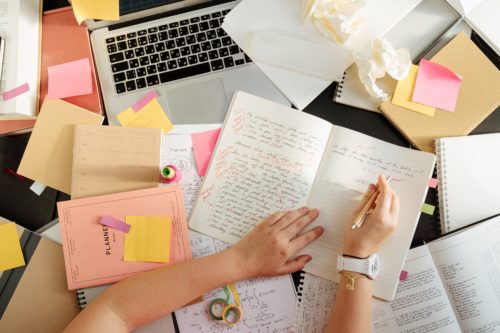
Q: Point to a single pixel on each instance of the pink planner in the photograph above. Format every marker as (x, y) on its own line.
(93, 253)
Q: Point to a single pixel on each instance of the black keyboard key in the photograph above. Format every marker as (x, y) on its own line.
(185, 51)
(216, 44)
(119, 77)
(239, 62)
(214, 24)
(172, 64)
(226, 41)
(154, 58)
(224, 52)
(131, 35)
(141, 83)
(160, 47)
(152, 30)
(234, 49)
(120, 66)
(217, 64)
(132, 43)
(213, 54)
(184, 22)
(144, 61)
(217, 14)
(175, 53)
(195, 48)
(205, 17)
(211, 34)
(173, 25)
(139, 52)
(184, 72)
(142, 33)
(141, 71)
(152, 80)
(110, 40)
(134, 63)
(162, 35)
(204, 26)
(180, 42)
(170, 44)
(112, 48)
(206, 46)
(120, 88)
(115, 57)
(247, 59)
(129, 54)
(121, 37)
(195, 20)
(201, 37)
(224, 12)
(131, 75)
(164, 56)
(153, 38)
(151, 69)
(142, 40)
(228, 62)
(122, 46)
(193, 28)
(182, 62)
(191, 39)
(150, 49)
(163, 27)
(173, 33)
(203, 57)
(221, 33)
(192, 59)
(183, 31)
(162, 66)
(130, 85)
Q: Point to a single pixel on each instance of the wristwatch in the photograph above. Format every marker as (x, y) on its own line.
(369, 266)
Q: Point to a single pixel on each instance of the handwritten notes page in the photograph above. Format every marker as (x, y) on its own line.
(352, 161)
(266, 160)
(112, 159)
(268, 303)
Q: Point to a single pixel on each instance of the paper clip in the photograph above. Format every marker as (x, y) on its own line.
(222, 310)
(170, 174)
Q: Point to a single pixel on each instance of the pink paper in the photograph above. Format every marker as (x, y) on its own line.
(70, 79)
(433, 182)
(114, 223)
(9, 94)
(203, 146)
(403, 276)
(144, 100)
(436, 86)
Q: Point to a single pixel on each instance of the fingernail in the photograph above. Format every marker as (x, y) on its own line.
(321, 230)
(372, 188)
(309, 258)
(305, 209)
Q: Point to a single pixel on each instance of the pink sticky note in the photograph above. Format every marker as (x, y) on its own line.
(70, 79)
(114, 223)
(203, 146)
(15, 92)
(403, 276)
(144, 100)
(433, 182)
(436, 86)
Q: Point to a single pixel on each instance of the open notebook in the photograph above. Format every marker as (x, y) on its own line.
(468, 174)
(270, 157)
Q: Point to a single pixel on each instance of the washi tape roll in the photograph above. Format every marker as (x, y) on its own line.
(216, 308)
(232, 314)
(170, 174)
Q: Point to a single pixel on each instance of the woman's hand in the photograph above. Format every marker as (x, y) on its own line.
(269, 249)
(380, 223)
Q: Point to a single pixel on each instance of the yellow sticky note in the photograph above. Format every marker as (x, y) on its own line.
(11, 255)
(404, 91)
(96, 9)
(150, 116)
(148, 239)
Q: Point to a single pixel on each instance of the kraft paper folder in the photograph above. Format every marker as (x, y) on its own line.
(477, 99)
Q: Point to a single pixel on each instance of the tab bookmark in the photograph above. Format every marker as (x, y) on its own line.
(111, 222)
(433, 182)
(427, 209)
(10, 94)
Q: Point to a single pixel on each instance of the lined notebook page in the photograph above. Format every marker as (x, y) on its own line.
(109, 159)
(266, 160)
(354, 160)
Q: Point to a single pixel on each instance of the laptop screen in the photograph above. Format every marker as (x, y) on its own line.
(132, 6)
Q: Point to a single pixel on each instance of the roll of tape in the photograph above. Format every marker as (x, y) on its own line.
(170, 174)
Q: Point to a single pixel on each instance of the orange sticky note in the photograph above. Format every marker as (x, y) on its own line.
(70, 79)
(11, 255)
(203, 146)
(150, 116)
(148, 239)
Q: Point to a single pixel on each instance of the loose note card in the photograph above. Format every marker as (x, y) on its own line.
(11, 255)
(150, 116)
(70, 79)
(148, 239)
(92, 9)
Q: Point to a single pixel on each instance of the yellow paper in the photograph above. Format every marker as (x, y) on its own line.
(96, 9)
(11, 255)
(148, 239)
(404, 91)
(151, 115)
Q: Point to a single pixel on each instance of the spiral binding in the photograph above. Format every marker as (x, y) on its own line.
(337, 94)
(82, 299)
(300, 290)
(444, 217)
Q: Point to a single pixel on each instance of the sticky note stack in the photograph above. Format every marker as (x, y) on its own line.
(148, 239)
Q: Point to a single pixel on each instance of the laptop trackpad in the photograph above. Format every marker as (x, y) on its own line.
(198, 103)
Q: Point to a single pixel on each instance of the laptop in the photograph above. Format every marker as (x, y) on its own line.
(179, 49)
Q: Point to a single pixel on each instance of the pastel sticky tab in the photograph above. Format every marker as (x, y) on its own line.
(11, 255)
(144, 100)
(73, 78)
(203, 146)
(433, 182)
(148, 239)
(38, 188)
(427, 209)
(10, 94)
(403, 276)
(111, 222)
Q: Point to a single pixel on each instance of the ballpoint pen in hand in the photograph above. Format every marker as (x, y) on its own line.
(365, 211)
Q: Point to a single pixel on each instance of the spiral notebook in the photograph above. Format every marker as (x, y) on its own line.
(468, 179)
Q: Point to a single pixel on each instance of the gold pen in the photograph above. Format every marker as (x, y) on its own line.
(363, 214)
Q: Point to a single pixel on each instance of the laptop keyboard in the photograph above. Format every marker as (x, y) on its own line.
(172, 51)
